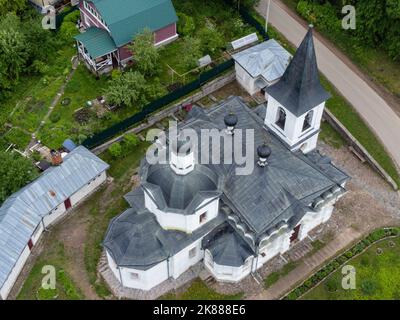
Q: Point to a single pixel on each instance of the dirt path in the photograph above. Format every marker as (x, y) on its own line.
(55, 101)
(73, 235)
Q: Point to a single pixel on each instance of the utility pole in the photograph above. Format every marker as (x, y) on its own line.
(267, 16)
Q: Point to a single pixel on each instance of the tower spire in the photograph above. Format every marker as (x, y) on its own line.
(299, 90)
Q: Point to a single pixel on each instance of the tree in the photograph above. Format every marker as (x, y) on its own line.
(211, 40)
(128, 90)
(15, 172)
(15, 6)
(145, 53)
(186, 25)
(115, 150)
(13, 56)
(191, 52)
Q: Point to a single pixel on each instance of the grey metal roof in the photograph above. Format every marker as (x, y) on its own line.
(227, 247)
(178, 191)
(137, 240)
(268, 193)
(263, 201)
(23, 211)
(299, 89)
(267, 59)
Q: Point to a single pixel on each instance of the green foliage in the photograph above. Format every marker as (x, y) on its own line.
(366, 265)
(191, 52)
(332, 284)
(368, 287)
(74, 16)
(68, 30)
(127, 90)
(131, 140)
(186, 25)
(14, 6)
(211, 40)
(55, 117)
(115, 150)
(377, 22)
(15, 172)
(145, 53)
(13, 51)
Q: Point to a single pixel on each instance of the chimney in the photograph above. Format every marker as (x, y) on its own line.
(263, 153)
(56, 158)
(231, 121)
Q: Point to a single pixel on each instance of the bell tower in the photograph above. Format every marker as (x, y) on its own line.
(296, 102)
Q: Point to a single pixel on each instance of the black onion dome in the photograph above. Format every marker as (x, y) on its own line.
(264, 151)
(231, 120)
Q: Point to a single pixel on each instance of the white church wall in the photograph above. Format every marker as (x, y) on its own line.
(186, 258)
(227, 273)
(144, 279)
(178, 221)
(312, 219)
(276, 244)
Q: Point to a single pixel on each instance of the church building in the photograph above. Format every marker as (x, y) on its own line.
(185, 213)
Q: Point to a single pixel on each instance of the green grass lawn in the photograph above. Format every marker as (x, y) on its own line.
(65, 288)
(83, 87)
(331, 136)
(31, 98)
(377, 276)
(199, 291)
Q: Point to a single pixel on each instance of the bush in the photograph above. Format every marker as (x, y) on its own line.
(186, 25)
(211, 40)
(73, 17)
(115, 150)
(68, 30)
(55, 117)
(332, 284)
(131, 140)
(368, 287)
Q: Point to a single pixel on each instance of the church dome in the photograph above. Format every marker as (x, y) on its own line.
(231, 119)
(179, 190)
(264, 151)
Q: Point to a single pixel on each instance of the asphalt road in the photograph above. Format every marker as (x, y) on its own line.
(369, 104)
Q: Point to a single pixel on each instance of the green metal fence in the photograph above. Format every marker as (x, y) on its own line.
(150, 108)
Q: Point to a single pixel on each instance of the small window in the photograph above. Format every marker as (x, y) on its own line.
(134, 275)
(308, 120)
(281, 118)
(192, 252)
(203, 217)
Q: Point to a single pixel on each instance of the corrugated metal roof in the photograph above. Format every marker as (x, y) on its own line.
(126, 18)
(267, 59)
(23, 211)
(98, 42)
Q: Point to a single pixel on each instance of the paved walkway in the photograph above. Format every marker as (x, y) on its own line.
(369, 104)
(308, 265)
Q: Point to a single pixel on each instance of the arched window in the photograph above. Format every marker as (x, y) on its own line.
(308, 120)
(281, 118)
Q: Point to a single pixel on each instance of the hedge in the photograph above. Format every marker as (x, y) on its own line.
(332, 266)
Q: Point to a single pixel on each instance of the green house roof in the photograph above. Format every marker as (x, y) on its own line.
(126, 18)
(97, 42)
